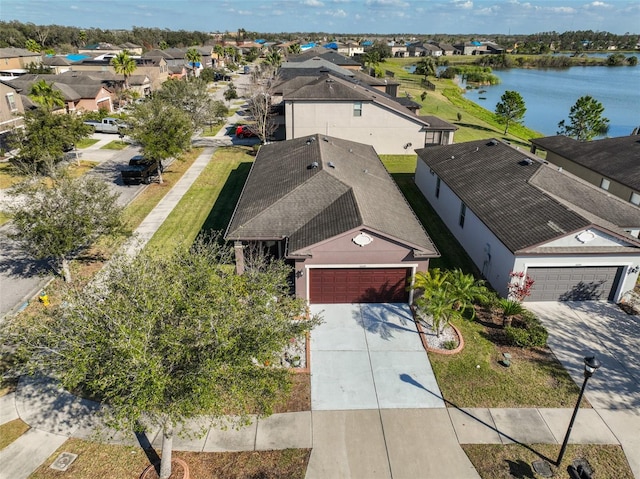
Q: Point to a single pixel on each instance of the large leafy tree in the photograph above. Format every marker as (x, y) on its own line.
(45, 137)
(124, 65)
(585, 120)
(190, 96)
(172, 337)
(55, 221)
(194, 57)
(162, 129)
(426, 67)
(510, 109)
(45, 95)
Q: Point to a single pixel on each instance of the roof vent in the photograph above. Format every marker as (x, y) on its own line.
(526, 162)
(331, 165)
(325, 139)
(313, 166)
(493, 143)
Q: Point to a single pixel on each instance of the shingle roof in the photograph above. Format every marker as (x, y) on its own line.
(509, 195)
(616, 158)
(329, 55)
(286, 197)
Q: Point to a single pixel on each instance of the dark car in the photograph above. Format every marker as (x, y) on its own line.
(245, 131)
(140, 170)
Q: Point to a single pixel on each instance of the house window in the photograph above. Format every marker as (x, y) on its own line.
(604, 184)
(11, 101)
(463, 212)
(438, 187)
(635, 199)
(357, 108)
(432, 137)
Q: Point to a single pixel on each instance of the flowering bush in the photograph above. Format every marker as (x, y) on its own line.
(519, 285)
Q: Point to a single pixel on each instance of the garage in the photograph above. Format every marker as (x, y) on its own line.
(574, 283)
(359, 285)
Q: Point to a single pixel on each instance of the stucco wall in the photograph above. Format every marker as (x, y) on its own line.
(342, 252)
(387, 131)
(615, 188)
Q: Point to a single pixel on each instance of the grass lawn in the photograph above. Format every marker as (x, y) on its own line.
(99, 461)
(11, 431)
(86, 143)
(209, 203)
(495, 461)
(475, 378)
(115, 145)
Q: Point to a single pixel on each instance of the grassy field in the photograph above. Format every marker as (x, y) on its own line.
(86, 143)
(495, 461)
(209, 203)
(115, 145)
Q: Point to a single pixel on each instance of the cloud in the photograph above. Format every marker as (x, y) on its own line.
(337, 13)
(560, 9)
(386, 3)
(313, 3)
(463, 4)
(597, 4)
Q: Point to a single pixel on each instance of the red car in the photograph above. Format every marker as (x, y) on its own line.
(244, 131)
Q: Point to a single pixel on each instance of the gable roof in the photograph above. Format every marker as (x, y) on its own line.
(286, 196)
(329, 55)
(524, 203)
(616, 158)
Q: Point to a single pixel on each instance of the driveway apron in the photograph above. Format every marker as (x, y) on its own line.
(369, 356)
(580, 329)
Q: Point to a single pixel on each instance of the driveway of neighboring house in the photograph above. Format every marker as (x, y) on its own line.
(369, 356)
(579, 329)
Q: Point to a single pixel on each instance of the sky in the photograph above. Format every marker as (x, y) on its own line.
(335, 16)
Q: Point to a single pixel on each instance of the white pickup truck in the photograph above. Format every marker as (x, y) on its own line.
(107, 125)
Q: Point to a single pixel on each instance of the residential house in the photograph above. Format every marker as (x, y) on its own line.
(11, 111)
(612, 164)
(153, 67)
(511, 212)
(101, 48)
(421, 49)
(328, 55)
(330, 209)
(470, 48)
(14, 61)
(334, 106)
(398, 49)
(447, 49)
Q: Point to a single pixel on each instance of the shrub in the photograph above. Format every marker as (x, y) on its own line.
(529, 333)
(450, 345)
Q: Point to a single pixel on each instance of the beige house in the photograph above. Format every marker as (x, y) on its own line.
(333, 106)
(14, 61)
(612, 164)
(155, 69)
(11, 110)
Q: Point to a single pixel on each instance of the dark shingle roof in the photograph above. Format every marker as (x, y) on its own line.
(326, 54)
(492, 179)
(616, 158)
(285, 197)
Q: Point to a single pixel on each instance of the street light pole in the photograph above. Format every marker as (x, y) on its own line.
(590, 365)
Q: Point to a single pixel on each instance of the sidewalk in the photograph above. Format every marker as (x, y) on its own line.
(414, 438)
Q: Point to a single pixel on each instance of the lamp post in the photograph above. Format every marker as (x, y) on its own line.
(590, 365)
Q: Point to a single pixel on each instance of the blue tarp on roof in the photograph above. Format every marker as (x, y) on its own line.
(307, 46)
(76, 57)
(476, 44)
(260, 40)
(332, 45)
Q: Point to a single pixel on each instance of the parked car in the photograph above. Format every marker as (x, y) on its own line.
(140, 170)
(107, 125)
(221, 77)
(245, 131)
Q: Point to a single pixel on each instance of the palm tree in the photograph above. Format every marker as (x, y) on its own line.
(430, 281)
(426, 67)
(45, 95)
(294, 49)
(193, 56)
(218, 50)
(124, 65)
(274, 59)
(510, 308)
(439, 306)
(466, 290)
(371, 60)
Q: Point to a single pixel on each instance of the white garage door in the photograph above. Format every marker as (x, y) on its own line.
(574, 284)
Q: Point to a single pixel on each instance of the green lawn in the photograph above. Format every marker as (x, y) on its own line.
(87, 142)
(115, 145)
(209, 203)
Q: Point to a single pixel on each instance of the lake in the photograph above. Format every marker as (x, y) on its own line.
(549, 94)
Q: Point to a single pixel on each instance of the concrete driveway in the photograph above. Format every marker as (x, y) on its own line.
(579, 329)
(369, 356)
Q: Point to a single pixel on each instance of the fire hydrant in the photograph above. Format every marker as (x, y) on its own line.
(44, 298)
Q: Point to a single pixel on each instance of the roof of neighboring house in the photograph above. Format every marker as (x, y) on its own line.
(56, 61)
(313, 188)
(11, 52)
(525, 203)
(331, 87)
(616, 158)
(73, 87)
(329, 55)
(436, 123)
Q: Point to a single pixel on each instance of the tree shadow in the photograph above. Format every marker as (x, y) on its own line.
(376, 319)
(15, 262)
(520, 470)
(475, 127)
(410, 380)
(585, 292)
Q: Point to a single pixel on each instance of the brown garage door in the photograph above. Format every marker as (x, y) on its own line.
(359, 285)
(574, 284)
